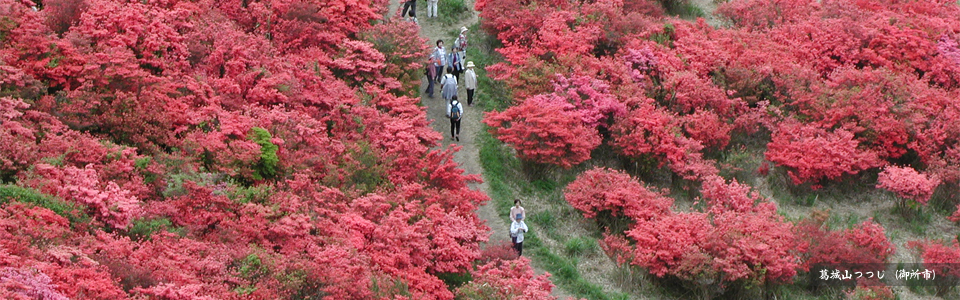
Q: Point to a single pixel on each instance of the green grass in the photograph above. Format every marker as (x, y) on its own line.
(843, 221)
(683, 9)
(451, 11)
(579, 246)
(917, 220)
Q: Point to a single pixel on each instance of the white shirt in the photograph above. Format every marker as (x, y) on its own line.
(470, 79)
(440, 56)
(518, 228)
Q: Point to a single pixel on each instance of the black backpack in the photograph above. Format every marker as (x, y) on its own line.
(455, 110)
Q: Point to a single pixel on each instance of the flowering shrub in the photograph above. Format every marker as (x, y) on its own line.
(813, 154)
(512, 279)
(867, 290)
(907, 183)
(939, 256)
(30, 284)
(864, 244)
(603, 190)
(498, 251)
(545, 129)
(739, 239)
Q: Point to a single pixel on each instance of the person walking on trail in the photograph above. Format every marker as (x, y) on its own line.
(461, 41)
(517, 212)
(517, 229)
(431, 73)
(470, 82)
(448, 85)
(455, 113)
(432, 8)
(455, 62)
(439, 57)
(412, 6)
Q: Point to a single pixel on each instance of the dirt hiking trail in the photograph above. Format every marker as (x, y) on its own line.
(469, 155)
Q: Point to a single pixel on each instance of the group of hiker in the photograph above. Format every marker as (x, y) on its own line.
(454, 65)
(411, 7)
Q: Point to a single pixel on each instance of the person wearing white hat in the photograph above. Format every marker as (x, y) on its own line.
(461, 41)
(470, 82)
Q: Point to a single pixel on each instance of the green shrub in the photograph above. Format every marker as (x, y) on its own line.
(251, 267)
(364, 173)
(267, 166)
(256, 194)
(143, 228)
(455, 280)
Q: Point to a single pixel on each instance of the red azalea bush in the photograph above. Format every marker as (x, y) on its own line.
(513, 279)
(939, 256)
(813, 153)
(907, 183)
(545, 129)
(615, 193)
(739, 239)
(866, 243)
(834, 89)
(498, 251)
(871, 290)
(782, 61)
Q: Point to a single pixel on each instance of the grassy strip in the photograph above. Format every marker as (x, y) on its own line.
(451, 11)
(499, 166)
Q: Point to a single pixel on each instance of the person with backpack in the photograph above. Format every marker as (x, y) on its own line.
(439, 57)
(455, 113)
(448, 85)
(470, 82)
(517, 229)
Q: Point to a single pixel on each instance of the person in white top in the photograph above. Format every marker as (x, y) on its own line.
(517, 229)
(455, 113)
(439, 57)
(448, 85)
(470, 82)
